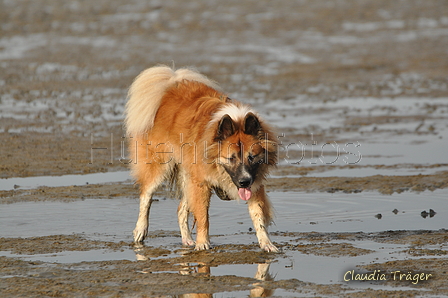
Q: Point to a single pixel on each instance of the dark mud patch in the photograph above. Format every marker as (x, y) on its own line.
(409, 237)
(54, 244)
(383, 184)
(330, 249)
(76, 193)
(228, 254)
(415, 238)
(58, 154)
(426, 252)
(68, 193)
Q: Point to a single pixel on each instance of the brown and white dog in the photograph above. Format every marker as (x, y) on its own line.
(184, 129)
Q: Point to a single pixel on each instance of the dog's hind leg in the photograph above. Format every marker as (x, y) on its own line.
(141, 228)
(149, 183)
(260, 211)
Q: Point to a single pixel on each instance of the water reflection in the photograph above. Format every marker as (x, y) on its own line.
(140, 253)
(200, 268)
(261, 274)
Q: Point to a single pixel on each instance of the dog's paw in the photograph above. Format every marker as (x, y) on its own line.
(269, 247)
(188, 242)
(202, 246)
(140, 234)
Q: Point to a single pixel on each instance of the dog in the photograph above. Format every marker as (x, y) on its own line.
(184, 129)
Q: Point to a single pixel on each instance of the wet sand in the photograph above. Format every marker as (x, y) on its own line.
(357, 91)
(171, 272)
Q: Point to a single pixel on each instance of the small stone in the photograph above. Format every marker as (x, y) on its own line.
(432, 213)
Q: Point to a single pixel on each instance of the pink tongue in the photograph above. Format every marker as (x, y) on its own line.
(245, 193)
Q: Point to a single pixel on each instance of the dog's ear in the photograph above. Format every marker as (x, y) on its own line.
(226, 128)
(251, 124)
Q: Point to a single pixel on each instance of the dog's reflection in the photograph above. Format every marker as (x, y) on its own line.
(202, 268)
(140, 254)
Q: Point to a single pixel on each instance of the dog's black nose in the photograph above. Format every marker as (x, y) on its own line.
(245, 182)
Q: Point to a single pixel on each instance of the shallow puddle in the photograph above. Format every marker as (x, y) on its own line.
(371, 171)
(340, 212)
(113, 219)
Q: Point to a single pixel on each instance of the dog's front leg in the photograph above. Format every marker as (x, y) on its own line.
(199, 202)
(182, 214)
(260, 212)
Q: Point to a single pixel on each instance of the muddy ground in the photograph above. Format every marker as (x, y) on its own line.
(189, 271)
(65, 67)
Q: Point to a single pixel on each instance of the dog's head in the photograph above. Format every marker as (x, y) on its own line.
(245, 150)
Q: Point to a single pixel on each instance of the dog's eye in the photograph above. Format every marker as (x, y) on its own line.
(251, 158)
(255, 158)
(231, 159)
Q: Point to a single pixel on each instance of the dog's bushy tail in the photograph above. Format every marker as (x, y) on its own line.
(147, 91)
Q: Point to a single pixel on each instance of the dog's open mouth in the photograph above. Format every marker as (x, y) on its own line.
(245, 193)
